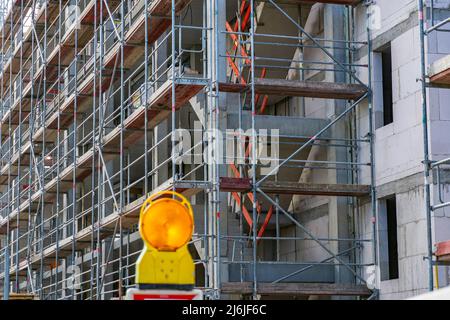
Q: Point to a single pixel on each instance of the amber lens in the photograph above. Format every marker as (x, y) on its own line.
(167, 225)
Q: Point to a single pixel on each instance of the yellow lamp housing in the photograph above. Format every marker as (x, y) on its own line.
(166, 224)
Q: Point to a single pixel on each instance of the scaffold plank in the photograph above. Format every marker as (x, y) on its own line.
(301, 289)
(288, 187)
(442, 252)
(440, 71)
(325, 90)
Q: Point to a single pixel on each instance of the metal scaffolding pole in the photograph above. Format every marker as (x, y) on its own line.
(426, 163)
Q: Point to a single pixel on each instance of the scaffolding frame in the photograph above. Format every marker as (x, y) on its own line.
(255, 184)
(64, 126)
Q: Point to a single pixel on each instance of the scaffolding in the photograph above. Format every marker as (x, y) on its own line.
(95, 117)
(434, 75)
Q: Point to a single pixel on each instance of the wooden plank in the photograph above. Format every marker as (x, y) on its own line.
(440, 71)
(345, 190)
(228, 184)
(288, 187)
(20, 296)
(304, 289)
(311, 89)
(442, 252)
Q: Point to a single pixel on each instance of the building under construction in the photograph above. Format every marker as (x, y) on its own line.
(311, 138)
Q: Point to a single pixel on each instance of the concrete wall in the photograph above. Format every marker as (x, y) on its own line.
(399, 146)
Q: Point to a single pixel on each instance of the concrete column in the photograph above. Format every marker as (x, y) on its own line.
(223, 110)
(334, 28)
(217, 72)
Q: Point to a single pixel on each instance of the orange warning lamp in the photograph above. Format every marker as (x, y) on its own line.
(166, 225)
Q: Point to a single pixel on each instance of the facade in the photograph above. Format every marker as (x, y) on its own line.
(295, 128)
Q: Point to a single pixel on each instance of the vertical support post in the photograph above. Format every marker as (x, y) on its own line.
(75, 148)
(373, 195)
(254, 146)
(58, 152)
(11, 183)
(173, 102)
(101, 189)
(216, 121)
(6, 281)
(19, 148)
(426, 162)
(146, 92)
(94, 147)
(122, 118)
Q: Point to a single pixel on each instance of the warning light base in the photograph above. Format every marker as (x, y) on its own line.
(152, 286)
(169, 268)
(137, 294)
